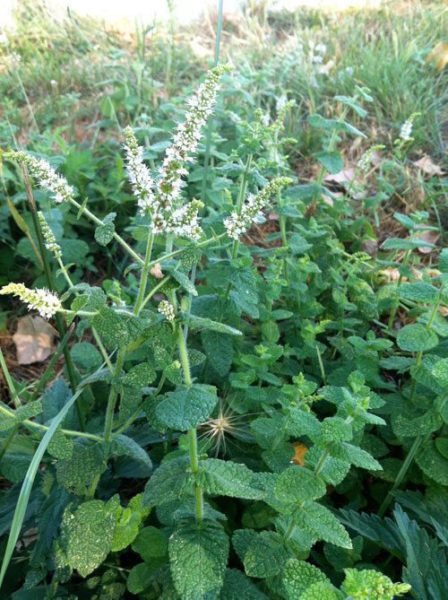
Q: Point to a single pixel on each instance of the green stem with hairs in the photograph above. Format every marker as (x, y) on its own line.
(144, 275)
(112, 401)
(409, 459)
(71, 371)
(192, 433)
(117, 237)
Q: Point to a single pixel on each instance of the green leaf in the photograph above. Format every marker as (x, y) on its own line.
(265, 555)
(28, 411)
(299, 484)
(105, 233)
(416, 338)
(321, 522)
(140, 376)
(356, 456)
(184, 281)
(77, 473)
(440, 372)
(204, 323)
(432, 462)
(139, 578)
(128, 522)
(61, 446)
(364, 583)
(187, 407)
(239, 587)
(426, 562)
(418, 292)
(86, 535)
(226, 478)
(151, 543)
(126, 446)
(322, 590)
(170, 482)
(111, 327)
(86, 356)
(298, 575)
(27, 485)
(219, 350)
(332, 161)
(198, 558)
(359, 110)
(405, 244)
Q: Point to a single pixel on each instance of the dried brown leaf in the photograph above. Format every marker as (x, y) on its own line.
(33, 339)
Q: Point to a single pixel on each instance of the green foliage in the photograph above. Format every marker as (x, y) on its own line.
(262, 385)
(198, 558)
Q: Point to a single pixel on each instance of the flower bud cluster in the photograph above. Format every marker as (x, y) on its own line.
(238, 223)
(45, 175)
(46, 303)
(166, 309)
(49, 238)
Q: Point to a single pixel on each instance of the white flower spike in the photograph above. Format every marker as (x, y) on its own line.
(45, 175)
(138, 173)
(46, 303)
(238, 223)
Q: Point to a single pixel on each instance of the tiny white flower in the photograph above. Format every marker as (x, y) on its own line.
(44, 301)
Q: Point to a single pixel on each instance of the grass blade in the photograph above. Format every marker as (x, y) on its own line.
(22, 503)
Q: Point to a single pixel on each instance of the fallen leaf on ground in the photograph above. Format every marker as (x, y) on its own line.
(431, 237)
(34, 340)
(426, 165)
(344, 176)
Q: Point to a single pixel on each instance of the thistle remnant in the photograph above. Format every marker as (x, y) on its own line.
(45, 175)
(166, 309)
(50, 241)
(238, 223)
(45, 302)
(138, 173)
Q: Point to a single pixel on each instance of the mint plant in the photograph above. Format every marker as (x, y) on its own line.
(272, 347)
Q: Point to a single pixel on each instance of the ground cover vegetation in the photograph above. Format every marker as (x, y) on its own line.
(249, 290)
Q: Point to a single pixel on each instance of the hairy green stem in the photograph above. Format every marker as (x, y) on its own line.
(71, 371)
(112, 401)
(144, 275)
(39, 426)
(409, 459)
(192, 433)
(117, 237)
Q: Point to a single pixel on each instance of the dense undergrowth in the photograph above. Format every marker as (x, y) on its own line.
(248, 395)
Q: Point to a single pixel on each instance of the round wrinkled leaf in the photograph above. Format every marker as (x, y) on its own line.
(299, 484)
(416, 338)
(440, 372)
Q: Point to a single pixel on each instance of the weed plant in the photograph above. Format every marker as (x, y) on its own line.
(248, 395)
